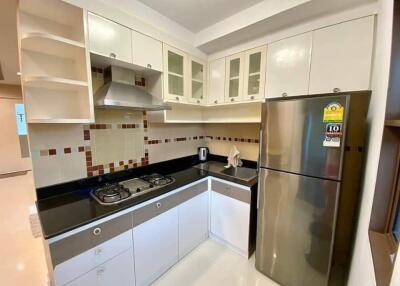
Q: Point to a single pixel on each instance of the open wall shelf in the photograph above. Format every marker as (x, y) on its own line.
(54, 83)
(55, 63)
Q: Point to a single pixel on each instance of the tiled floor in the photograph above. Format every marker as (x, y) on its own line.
(214, 264)
(22, 256)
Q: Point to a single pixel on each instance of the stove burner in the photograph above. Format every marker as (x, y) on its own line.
(157, 179)
(111, 193)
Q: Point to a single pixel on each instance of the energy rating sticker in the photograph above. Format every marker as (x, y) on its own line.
(333, 112)
(333, 135)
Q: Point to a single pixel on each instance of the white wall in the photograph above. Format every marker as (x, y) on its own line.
(362, 270)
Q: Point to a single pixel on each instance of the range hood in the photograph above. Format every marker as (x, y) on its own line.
(119, 91)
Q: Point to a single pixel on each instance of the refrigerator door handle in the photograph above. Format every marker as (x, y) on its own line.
(258, 168)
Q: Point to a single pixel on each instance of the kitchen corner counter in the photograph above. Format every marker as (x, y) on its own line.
(72, 206)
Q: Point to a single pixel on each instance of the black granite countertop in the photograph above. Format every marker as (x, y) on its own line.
(64, 207)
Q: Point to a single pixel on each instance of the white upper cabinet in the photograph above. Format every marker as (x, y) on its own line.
(288, 66)
(216, 82)
(109, 39)
(174, 74)
(197, 77)
(254, 73)
(234, 78)
(342, 56)
(146, 51)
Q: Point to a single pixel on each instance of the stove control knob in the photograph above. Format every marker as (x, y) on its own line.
(158, 205)
(97, 231)
(138, 190)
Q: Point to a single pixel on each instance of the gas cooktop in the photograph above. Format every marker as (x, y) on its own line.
(115, 193)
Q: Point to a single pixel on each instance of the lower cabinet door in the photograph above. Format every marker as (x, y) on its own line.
(230, 221)
(155, 246)
(117, 271)
(193, 223)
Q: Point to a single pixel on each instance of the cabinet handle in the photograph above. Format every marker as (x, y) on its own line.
(198, 101)
(177, 98)
(232, 99)
(201, 97)
(215, 101)
(149, 66)
(158, 205)
(252, 97)
(112, 55)
(98, 251)
(336, 90)
(97, 231)
(284, 94)
(101, 271)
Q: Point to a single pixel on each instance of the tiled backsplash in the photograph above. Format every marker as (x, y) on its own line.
(63, 153)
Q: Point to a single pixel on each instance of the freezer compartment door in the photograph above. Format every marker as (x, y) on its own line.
(293, 135)
(295, 231)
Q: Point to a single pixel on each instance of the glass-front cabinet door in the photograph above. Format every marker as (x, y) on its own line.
(197, 72)
(234, 78)
(174, 80)
(254, 73)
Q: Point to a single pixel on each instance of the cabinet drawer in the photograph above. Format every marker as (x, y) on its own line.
(117, 271)
(231, 191)
(81, 252)
(152, 210)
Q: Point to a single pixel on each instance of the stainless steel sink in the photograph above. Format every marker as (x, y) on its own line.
(242, 173)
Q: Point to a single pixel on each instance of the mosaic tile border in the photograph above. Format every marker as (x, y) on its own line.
(172, 140)
(233, 139)
(62, 150)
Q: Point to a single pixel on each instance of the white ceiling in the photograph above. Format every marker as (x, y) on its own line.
(195, 15)
(9, 45)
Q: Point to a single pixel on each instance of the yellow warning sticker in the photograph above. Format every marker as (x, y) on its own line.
(333, 112)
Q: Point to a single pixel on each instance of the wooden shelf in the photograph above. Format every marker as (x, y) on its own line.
(54, 83)
(392, 123)
(52, 45)
(59, 120)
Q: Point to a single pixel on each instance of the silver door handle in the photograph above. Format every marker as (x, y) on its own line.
(112, 55)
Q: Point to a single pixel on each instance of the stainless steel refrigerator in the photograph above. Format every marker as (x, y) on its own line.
(309, 182)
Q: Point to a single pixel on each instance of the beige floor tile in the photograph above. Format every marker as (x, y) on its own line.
(22, 255)
(213, 264)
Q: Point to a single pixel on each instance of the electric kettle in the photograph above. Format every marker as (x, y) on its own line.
(203, 153)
